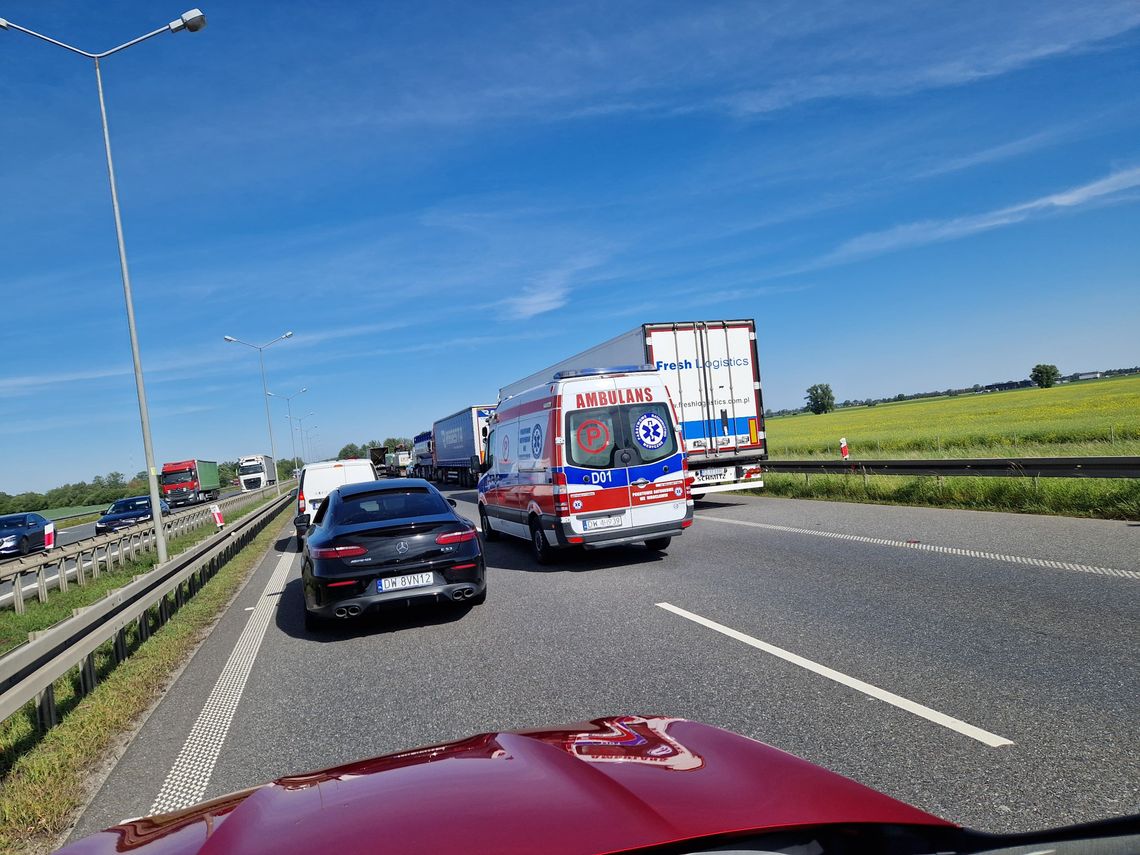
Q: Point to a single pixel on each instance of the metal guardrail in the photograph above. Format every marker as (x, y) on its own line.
(1003, 467)
(29, 671)
(102, 552)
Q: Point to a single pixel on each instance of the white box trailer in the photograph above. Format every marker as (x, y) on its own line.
(711, 371)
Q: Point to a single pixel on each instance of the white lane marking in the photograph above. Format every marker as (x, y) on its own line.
(186, 783)
(943, 550)
(957, 725)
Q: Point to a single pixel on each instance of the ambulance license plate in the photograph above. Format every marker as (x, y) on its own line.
(602, 522)
(399, 583)
(712, 474)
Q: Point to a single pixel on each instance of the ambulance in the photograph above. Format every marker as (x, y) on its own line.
(591, 458)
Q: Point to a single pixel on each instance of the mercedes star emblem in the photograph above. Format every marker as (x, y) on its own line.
(402, 547)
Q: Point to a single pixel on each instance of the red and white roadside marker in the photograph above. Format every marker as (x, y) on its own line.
(49, 536)
(219, 520)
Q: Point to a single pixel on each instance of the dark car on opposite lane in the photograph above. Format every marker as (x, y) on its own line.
(384, 543)
(21, 533)
(127, 512)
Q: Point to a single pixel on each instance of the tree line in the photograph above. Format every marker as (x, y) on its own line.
(821, 399)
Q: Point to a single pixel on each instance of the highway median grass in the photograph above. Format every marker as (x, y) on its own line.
(1102, 498)
(46, 776)
(1086, 419)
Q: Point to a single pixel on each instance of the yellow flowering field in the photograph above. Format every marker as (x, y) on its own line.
(1074, 419)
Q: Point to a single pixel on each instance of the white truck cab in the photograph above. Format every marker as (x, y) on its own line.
(592, 458)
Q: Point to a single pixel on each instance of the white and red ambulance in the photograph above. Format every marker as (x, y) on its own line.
(591, 458)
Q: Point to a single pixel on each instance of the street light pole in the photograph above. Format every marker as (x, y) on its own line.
(289, 406)
(301, 430)
(191, 21)
(265, 390)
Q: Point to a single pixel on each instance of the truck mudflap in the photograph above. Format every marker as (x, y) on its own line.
(566, 537)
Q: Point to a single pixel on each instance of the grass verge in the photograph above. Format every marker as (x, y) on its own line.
(46, 778)
(14, 628)
(1103, 498)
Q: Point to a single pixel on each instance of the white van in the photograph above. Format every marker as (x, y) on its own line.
(320, 479)
(591, 458)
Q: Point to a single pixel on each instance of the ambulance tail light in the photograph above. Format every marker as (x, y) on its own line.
(561, 499)
(300, 502)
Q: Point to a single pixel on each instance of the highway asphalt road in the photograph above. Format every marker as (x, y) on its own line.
(980, 666)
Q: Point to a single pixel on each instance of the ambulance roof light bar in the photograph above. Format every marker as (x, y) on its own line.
(613, 369)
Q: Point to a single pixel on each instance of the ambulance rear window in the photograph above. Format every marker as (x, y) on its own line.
(595, 435)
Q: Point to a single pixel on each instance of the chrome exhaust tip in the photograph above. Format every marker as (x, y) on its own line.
(342, 612)
(353, 611)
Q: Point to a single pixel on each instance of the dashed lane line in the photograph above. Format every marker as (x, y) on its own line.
(186, 783)
(957, 725)
(942, 550)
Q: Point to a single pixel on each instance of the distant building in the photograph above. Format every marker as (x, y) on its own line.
(1090, 375)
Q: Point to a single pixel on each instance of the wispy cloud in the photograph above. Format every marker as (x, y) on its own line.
(550, 291)
(1102, 191)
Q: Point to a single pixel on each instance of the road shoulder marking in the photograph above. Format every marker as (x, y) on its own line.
(957, 725)
(186, 783)
(941, 550)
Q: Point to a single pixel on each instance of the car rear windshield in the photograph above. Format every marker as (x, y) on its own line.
(386, 505)
(595, 436)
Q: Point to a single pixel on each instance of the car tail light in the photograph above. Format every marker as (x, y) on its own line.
(575, 540)
(464, 566)
(300, 502)
(686, 523)
(339, 552)
(340, 584)
(457, 536)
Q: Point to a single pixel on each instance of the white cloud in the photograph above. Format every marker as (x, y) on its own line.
(1103, 190)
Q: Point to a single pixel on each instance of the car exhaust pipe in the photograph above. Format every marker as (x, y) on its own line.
(353, 611)
(460, 594)
(342, 612)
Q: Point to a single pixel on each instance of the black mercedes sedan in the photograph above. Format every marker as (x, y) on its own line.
(395, 542)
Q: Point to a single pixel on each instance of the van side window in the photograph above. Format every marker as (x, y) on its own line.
(491, 449)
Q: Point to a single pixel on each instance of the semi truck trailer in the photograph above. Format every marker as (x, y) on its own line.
(458, 445)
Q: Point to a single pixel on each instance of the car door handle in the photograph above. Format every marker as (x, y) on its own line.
(641, 482)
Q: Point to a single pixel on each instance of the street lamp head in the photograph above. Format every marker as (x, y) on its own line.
(288, 334)
(230, 338)
(3, 24)
(191, 21)
(303, 389)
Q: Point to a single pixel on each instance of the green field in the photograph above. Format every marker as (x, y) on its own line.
(1094, 417)
(1077, 419)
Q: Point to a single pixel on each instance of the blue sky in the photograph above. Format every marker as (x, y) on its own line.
(439, 198)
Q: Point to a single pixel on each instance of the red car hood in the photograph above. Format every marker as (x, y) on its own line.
(605, 786)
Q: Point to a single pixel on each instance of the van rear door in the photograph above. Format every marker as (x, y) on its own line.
(623, 461)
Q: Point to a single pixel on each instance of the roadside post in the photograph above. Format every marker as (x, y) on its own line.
(219, 520)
